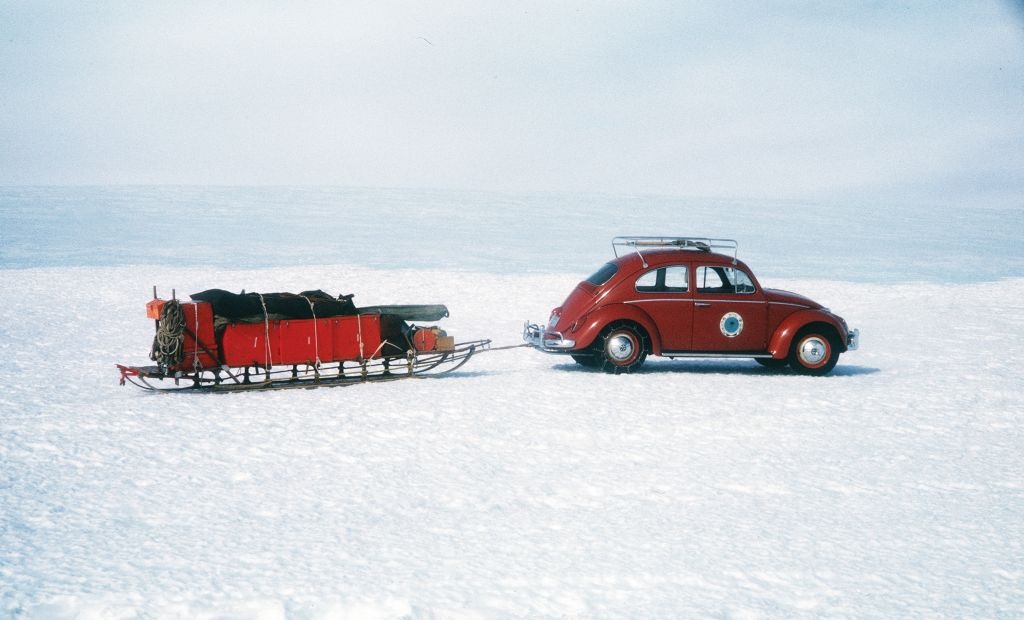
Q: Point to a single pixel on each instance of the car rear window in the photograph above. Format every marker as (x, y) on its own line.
(603, 274)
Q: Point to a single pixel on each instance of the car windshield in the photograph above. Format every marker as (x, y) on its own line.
(603, 274)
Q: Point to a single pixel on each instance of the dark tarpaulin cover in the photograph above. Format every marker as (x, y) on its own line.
(239, 306)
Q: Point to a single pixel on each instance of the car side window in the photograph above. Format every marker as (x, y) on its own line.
(729, 280)
(676, 280)
(603, 274)
(709, 280)
(663, 280)
(740, 280)
(648, 283)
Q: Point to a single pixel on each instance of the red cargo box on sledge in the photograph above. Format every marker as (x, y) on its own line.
(302, 341)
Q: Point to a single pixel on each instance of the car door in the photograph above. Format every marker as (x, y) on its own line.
(730, 314)
(664, 294)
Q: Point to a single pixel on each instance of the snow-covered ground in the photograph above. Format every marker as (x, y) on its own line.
(521, 486)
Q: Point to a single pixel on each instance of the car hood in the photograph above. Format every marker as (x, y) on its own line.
(788, 297)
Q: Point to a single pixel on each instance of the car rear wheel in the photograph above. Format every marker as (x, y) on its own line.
(623, 348)
(813, 352)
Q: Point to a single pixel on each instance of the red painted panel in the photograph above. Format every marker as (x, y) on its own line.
(347, 332)
(303, 341)
(203, 327)
(245, 344)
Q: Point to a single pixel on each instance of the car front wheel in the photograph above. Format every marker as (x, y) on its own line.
(813, 353)
(623, 348)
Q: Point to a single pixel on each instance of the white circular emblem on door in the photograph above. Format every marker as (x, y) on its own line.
(731, 324)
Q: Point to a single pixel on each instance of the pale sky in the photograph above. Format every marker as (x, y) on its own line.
(787, 100)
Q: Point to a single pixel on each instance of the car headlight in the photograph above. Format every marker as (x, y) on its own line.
(553, 320)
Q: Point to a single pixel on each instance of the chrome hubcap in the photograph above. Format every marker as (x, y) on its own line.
(813, 351)
(620, 347)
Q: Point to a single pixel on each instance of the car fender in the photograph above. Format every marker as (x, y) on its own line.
(591, 324)
(782, 339)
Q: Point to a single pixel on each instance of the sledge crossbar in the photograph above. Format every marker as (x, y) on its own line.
(698, 244)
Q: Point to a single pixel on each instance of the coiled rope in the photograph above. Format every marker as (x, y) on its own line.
(168, 344)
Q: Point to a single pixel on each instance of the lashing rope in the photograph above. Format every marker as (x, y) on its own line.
(195, 344)
(316, 338)
(374, 354)
(359, 324)
(266, 333)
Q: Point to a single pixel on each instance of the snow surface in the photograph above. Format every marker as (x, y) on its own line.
(522, 486)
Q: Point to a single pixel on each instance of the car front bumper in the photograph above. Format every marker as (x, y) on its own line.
(853, 340)
(546, 340)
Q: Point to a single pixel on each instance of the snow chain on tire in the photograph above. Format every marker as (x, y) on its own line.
(168, 344)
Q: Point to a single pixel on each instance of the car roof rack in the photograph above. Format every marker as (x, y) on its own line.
(693, 244)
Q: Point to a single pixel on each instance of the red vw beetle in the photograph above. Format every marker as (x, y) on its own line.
(677, 297)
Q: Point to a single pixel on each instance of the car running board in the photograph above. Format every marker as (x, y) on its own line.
(713, 354)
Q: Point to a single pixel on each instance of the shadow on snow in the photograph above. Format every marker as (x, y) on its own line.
(722, 367)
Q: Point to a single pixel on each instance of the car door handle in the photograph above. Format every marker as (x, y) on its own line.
(702, 304)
